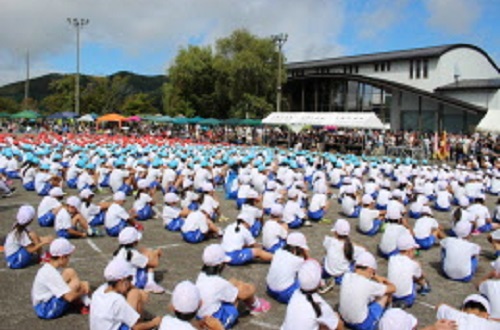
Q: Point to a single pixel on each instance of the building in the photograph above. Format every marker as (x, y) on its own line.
(449, 87)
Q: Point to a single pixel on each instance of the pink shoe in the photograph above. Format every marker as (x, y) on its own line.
(154, 288)
(476, 232)
(263, 307)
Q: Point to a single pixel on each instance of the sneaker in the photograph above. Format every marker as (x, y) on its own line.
(139, 227)
(424, 290)
(94, 232)
(45, 257)
(263, 306)
(10, 193)
(326, 286)
(399, 304)
(2, 249)
(154, 288)
(476, 232)
(307, 223)
(85, 310)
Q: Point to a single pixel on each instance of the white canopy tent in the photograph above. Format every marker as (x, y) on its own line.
(297, 120)
(86, 118)
(490, 122)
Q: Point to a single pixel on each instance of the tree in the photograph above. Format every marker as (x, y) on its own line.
(136, 104)
(62, 97)
(9, 105)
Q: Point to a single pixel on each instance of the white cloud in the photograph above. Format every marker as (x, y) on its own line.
(378, 16)
(453, 16)
(136, 26)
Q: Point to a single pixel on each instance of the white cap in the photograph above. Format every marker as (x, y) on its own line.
(252, 194)
(479, 299)
(56, 192)
(347, 180)
(271, 185)
(393, 213)
(366, 259)
(277, 210)
(214, 255)
(442, 185)
(246, 217)
(462, 228)
(61, 247)
(207, 187)
(396, 193)
(129, 235)
(426, 210)
(186, 297)
(397, 319)
(367, 199)
(350, 189)
(25, 214)
(186, 183)
(342, 227)
(496, 235)
(117, 269)
(142, 184)
(171, 198)
(463, 201)
(73, 201)
(293, 193)
(86, 193)
(321, 189)
(406, 242)
(309, 275)
(297, 239)
(496, 265)
(119, 196)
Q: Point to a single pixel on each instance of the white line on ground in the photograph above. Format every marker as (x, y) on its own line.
(168, 246)
(94, 246)
(426, 304)
(264, 324)
(107, 198)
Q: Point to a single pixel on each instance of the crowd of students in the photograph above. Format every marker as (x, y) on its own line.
(277, 192)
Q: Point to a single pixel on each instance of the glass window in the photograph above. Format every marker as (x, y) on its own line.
(425, 73)
(382, 66)
(376, 67)
(388, 66)
(411, 69)
(417, 69)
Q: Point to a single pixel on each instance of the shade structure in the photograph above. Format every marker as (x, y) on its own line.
(490, 122)
(86, 118)
(111, 117)
(180, 121)
(194, 120)
(251, 122)
(232, 121)
(26, 114)
(367, 120)
(134, 119)
(63, 115)
(209, 122)
(4, 115)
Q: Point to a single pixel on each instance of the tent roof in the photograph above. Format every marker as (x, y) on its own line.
(26, 114)
(63, 115)
(490, 122)
(111, 117)
(340, 119)
(87, 118)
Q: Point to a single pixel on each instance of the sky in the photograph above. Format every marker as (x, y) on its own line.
(144, 36)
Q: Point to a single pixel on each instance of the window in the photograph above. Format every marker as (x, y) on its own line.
(382, 66)
(411, 69)
(425, 68)
(417, 69)
(356, 68)
(345, 69)
(388, 65)
(376, 67)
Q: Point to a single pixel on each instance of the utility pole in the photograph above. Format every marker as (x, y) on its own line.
(78, 24)
(280, 40)
(27, 83)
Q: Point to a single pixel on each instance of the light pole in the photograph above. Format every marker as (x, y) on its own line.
(77, 23)
(280, 40)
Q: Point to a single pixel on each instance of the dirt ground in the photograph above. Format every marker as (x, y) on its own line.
(182, 261)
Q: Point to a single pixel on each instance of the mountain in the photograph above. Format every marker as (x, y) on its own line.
(39, 87)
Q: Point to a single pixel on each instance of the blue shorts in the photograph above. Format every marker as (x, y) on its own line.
(193, 206)
(30, 186)
(284, 295)
(141, 278)
(267, 211)
(12, 174)
(375, 229)
(316, 215)
(193, 237)
(388, 255)
(115, 231)
(240, 202)
(442, 209)
(175, 225)
(71, 183)
(127, 190)
(240, 257)
(47, 220)
(474, 264)
(51, 309)
(354, 213)
(408, 300)
(21, 259)
(256, 228)
(45, 190)
(63, 233)
(124, 327)
(414, 215)
(98, 220)
(145, 213)
(105, 181)
(227, 315)
(375, 311)
(297, 223)
(281, 243)
(426, 243)
(381, 207)
(486, 228)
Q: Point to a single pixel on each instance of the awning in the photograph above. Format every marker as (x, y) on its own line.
(490, 122)
(111, 117)
(339, 119)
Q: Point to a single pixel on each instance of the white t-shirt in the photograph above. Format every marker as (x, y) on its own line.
(390, 237)
(116, 178)
(356, 292)
(443, 198)
(402, 271)
(383, 197)
(457, 262)
(395, 210)
(348, 205)
(109, 310)
(252, 212)
(137, 260)
(195, 220)
(424, 227)
(301, 315)
(318, 201)
(84, 179)
(283, 270)
(142, 201)
(366, 218)
(214, 290)
(40, 179)
(48, 283)
(47, 204)
(168, 322)
(114, 215)
(269, 198)
(480, 213)
(233, 241)
(89, 212)
(170, 213)
(14, 242)
(335, 261)
(464, 320)
(291, 210)
(272, 232)
(29, 175)
(210, 204)
(491, 289)
(63, 220)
